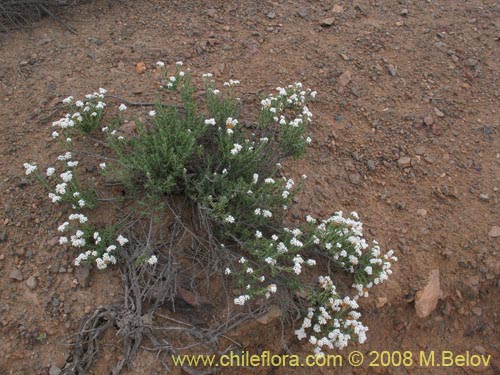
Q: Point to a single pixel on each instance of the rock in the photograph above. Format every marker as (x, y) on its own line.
(271, 315)
(355, 178)
(477, 311)
(404, 12)
(420, 150)
(32, 282)
(53, 241)
(271, 15)
(381, 302)
(140, 67)
(303, 12)
(428, 120)
(328, 22)
(404, 162)
(371, 165)
(82, 274)
(471, 62)
(345, 78)
(338, 9)
(392, 70)
(15, 274)
(54, 370)
(494, 231)
(438, 112)
(422, 212)
(484, 197)
(3, 236)
(426, 300)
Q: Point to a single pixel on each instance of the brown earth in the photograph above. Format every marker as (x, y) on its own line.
(406, 133)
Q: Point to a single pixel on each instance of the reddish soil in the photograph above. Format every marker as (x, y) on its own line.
(423, 84)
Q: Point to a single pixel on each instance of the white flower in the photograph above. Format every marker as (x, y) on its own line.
(227, 271)
(255, 178)
(368, 270)
(181, 74)
(102, 166)
(121, 240)
(210, 121)
(179, 63)
(30, 168)
(236, 149)
(152, 113)
(55, 134)
(110, 248)
(250, 270)
(152, 260)
(50, 171)
(308, 140)
(63, 240)
(267, 213)
(207, 75)
(66, 176)
(122, 107)
(63, 227)
(269, 180)
(241, 299)
(102, 91)
(160, 64)
(55, 198)
(68, 100)
(81, 203)
(258, 234)
(229, 219)
(72, 163)
(61, 188)
(272, 288)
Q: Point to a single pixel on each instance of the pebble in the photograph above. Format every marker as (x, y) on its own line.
(32, 282)
(371, 165)
(15, 274)
(404, 162)
(471, 62)
(271, 15)
(3, 236)
(303, 12)
(355, 178)
(404, 12)
(494, 231)
(54, 370)
(438, 112)
(327, 22)
(392, 70)
(428, 120)
(426, 300)
(484, 197)
(422, 212)
(345, 78)
(477, 311)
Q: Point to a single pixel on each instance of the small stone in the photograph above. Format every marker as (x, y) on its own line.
(404, 162)
(484, 197)
(15, 274)
(404, 12)
(345, 78)
(338, 9)
(55, 302)
(129, 127)
(328, 22)
(82, 274)
(32, 282)
(471, 62)
(438, 112)
(53, 241)
(381, 302)
(420, 150)
(494, 231)
(54, 370)
(355, 178)
(477, 311)
(400, 205)
(371, 165)
(428, 120)
(479, 349)
(303, 12)
(271, 15)
(392, 70)
(426, 300)
(422, 212)
(140, 67)
(271, 315)
(3, 236)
